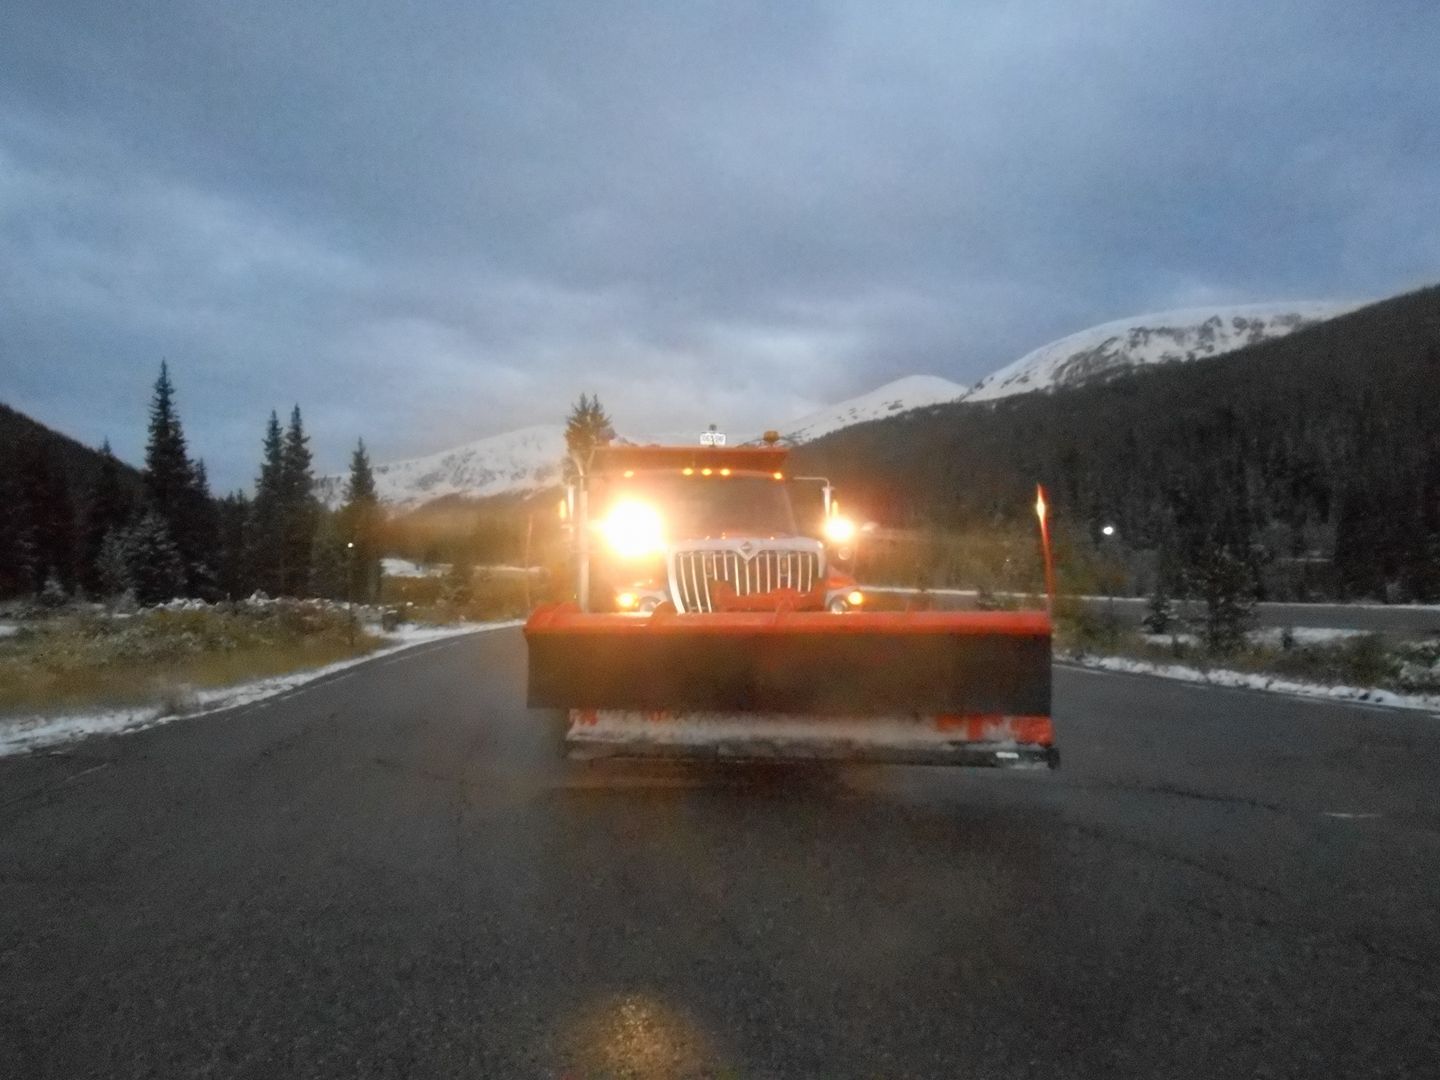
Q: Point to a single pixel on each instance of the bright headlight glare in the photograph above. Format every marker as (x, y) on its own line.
(634, 529)
(839, 530)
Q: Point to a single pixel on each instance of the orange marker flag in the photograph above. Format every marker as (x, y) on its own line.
(1042, 511)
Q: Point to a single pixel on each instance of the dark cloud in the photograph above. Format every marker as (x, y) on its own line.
(430, 222)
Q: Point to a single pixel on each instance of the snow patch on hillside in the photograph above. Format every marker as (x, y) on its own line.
(517, 461)
(911, 392)
(1166, 337)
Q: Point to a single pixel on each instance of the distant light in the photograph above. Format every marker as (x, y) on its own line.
(350, 543)
(1108, 530)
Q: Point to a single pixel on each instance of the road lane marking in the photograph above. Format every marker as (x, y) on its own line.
(1348, 815)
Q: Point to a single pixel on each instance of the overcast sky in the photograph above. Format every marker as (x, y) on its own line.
(431, 221)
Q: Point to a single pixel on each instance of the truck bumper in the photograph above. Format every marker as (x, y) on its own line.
(1014, 742)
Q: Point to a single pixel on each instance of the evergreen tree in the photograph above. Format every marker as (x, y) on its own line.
(1160, 611)
(587, 427)
(19, 570)
(329, 563)
(176, 489)
(50, 516)
(112, 567)
(459, 584)
(266, 540)
(301, 509)
(156, 570)
(168, 475)
(1226, 583)
(107, 510)
(201, 524)
(360, 520)
(233, 514)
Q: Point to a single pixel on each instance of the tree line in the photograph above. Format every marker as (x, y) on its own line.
(167, 536)
(1312, 461)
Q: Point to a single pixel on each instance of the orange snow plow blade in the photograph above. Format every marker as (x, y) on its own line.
(925, 687)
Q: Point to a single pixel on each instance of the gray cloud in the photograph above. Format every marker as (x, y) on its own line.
(431, 222)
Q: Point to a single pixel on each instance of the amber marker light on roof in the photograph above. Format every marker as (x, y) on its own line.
(706, 472)
(779, 476)
(724, 472)
(688, 472)
(629, 473)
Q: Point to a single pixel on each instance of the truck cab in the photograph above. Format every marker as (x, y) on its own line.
(710, 529)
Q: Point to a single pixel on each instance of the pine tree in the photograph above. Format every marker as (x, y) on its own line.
(360, 524)
(50, 515)
(587, 427)
(1227, 585)
(18, 555)
(201, 529)
(156, 570)
(176, 489)
(329, 569)
(1160, 611)
(107, 510)
(232, 569)
(112, 567)
(167, 466)
(301, 509)
(266, 540)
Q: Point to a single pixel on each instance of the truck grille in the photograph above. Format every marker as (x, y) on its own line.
(694, 572)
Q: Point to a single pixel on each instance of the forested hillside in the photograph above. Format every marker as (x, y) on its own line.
(1325, 443)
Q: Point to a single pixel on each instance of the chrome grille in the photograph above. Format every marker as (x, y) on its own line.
(695, 572)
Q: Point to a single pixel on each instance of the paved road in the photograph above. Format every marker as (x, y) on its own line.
(388, 874)
(1398, 619)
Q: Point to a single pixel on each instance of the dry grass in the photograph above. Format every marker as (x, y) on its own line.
(161, 658)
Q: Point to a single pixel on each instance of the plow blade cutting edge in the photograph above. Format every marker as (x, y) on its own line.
(969, 688)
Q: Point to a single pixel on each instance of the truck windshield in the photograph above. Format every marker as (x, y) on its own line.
(693, 507)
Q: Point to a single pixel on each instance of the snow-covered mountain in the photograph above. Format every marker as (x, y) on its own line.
(517, 461)
(911, 392)
(529, 459)
(1167, 337)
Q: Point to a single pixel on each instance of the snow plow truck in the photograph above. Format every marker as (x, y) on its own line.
(708, 622)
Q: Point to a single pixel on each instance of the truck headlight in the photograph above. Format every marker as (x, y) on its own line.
(633, 530)
(839, 530)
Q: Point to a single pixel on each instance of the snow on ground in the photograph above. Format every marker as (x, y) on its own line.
(405, 568)
(1244, 680)
(21, 734)
(7, 629)
(1270, 635)
(1304, 635)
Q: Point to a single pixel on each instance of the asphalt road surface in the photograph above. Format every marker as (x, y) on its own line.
(389, 873)
(1404, 620)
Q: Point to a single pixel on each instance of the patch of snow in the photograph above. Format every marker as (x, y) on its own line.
(892, 399)
(1305, 635)
(1244, 680)
(399, 568)
(517, 461)
(8, 629)
(1165, 337)
(21, 734)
